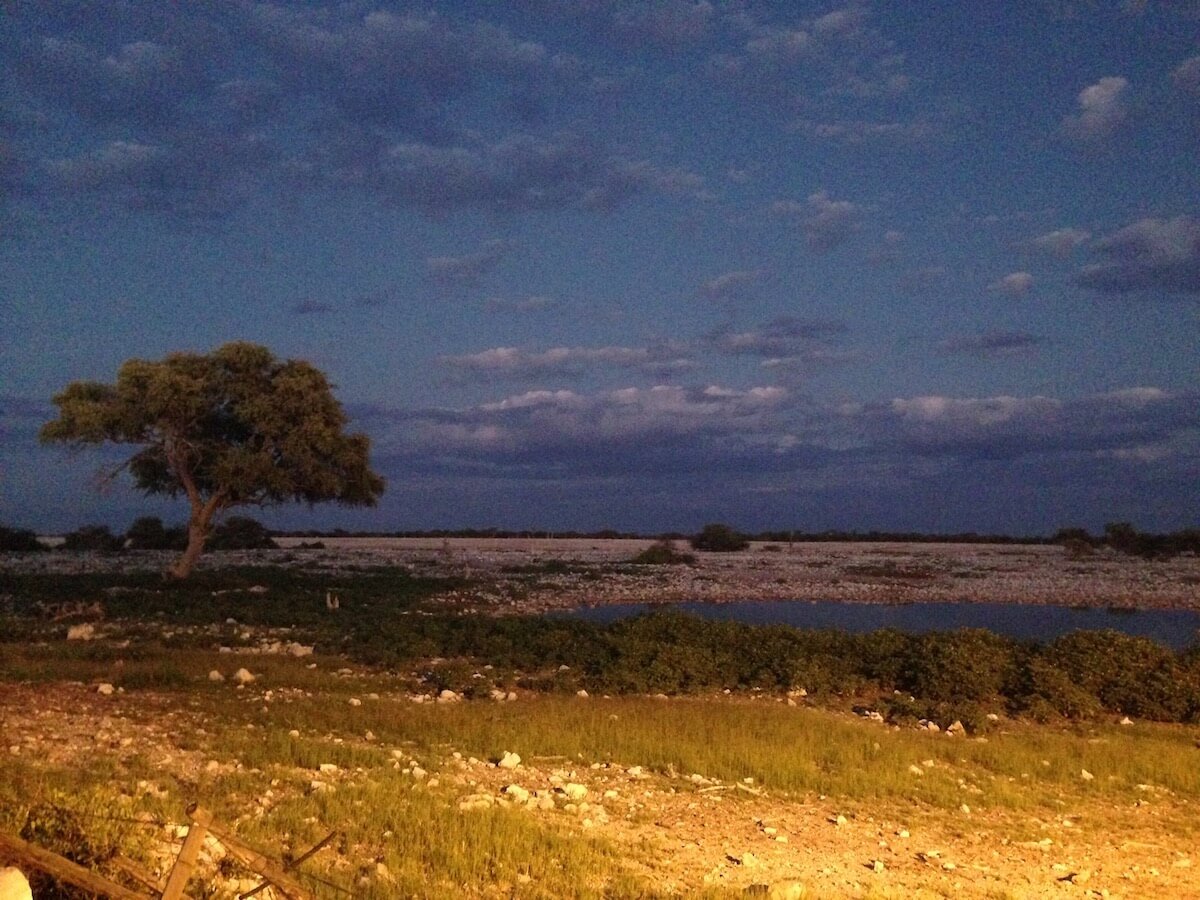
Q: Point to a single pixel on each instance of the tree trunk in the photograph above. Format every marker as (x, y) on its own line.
(197, 532)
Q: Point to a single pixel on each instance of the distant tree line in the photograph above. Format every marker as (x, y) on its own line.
(1124, 538)
(245, 533)
(146, 533)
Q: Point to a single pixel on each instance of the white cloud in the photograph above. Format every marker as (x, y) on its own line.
(514, 362)
(1150, 254)
(827, 223)
(1061, 242)
(729, 285)
(1186, 75)
(1103, 109)
(471, 267)
(1015, 284)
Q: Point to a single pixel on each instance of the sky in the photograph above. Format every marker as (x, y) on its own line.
(583, 264)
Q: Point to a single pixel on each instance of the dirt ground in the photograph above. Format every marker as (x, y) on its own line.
(733, 835)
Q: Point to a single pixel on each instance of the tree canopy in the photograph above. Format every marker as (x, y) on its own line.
(234, 427)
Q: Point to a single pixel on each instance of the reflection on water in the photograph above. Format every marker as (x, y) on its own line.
(1174, 628)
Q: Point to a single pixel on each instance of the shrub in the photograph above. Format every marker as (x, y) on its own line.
(19, 540)
(93, 537)
(970, 664)
(663, 553)
(720, 539)
(241, 533)
(148, 533)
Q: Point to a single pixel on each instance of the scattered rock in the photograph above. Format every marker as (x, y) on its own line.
(214, 675)
(14, 885)
(509, 760)
(106, 689)
(354, 701)
(574, 791)
(448, 696)
(1125, 721)
(517, 793)
(956, 728)
(85, 632)
(328, 768)
(877, 866)
(581, 693)
(243, 676)
(1086, 775)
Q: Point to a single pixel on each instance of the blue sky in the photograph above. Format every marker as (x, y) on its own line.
(586, 263)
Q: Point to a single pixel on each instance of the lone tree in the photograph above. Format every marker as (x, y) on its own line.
(235, 427)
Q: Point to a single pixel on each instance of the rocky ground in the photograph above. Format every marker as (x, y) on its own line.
(510, 574)
(684, 831)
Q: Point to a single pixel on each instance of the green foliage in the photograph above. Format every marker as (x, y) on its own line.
(93, 538)
(970, 664)
(148, 533)
(19, 540)
(719, 538)
(233, 427)
(663, 553)
(241, 533)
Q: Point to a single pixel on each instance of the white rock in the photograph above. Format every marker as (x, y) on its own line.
(243, 676)
(106, 689)
(14, 885)
(581, 693)
(298, 650)
(418, 773)
(448, 696)
(510, 696)
(328, 768)
(1086, 775)
(509, 760)
(1126, 721)
(517, 793)
(574, 791)
(214, 675)
(85, 632)
(956, 728)
(354, 701)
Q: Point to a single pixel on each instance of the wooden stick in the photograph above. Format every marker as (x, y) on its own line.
(294, 863)
(186, 861)
(65, 870)
(270, 870)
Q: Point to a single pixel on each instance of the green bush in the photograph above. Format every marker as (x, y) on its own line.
(663, 553)
(241, 533)
(148, 533)
(719, 539)
(19, 540)
(970, 664)
(93, 538)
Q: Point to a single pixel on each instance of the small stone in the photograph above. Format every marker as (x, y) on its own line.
(517, 793)
(14, 885)
(243, 676)
(294, 733)
(85, 632)
(448, 696)
(956, 728)
(1126, 721)
(877, 866)
(354, 701)
(916, 770)
(328, 768)
(964, 809)
(418, 773)
(1086, 775)
(106, 689)
(575, 791)
(581, 693)
(509, 760)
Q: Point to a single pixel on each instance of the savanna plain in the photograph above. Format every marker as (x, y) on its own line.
(415, 697)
